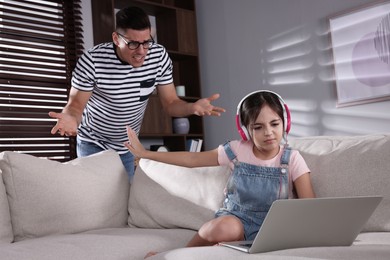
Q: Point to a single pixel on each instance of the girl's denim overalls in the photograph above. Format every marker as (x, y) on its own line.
(252, 189)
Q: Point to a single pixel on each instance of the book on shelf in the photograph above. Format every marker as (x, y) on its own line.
(191, 145)
(199, 145)
(194, 145)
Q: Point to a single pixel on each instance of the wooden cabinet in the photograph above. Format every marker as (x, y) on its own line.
(176, 31)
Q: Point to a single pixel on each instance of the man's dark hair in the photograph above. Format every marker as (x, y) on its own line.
(132, 18)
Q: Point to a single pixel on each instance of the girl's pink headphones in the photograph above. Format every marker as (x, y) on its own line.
(243, 131)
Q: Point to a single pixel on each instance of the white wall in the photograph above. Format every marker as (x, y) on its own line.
(239, 42)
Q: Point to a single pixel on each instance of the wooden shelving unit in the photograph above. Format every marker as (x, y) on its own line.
(177, 32)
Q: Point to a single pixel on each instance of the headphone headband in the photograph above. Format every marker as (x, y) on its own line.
(242, 130)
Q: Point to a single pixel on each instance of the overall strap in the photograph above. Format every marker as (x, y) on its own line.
(285, 159)
(230, 154)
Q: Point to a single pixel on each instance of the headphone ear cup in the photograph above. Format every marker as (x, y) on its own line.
(287, 119)
(241, 129)
(245, 134)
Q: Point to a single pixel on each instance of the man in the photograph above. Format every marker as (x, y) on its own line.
(111, 85)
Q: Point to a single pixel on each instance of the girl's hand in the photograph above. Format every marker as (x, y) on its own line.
(134, 145)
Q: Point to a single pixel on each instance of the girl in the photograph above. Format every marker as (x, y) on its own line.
(263, 169)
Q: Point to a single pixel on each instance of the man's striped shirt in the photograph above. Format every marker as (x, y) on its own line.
(120, 92)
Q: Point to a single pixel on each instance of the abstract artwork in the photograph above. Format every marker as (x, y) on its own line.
(360, 42)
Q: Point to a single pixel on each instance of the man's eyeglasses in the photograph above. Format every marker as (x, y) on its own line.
(133, 45)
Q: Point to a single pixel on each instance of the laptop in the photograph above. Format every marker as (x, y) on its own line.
(315, 222)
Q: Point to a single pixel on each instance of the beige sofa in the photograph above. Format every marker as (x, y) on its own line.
(85, 209)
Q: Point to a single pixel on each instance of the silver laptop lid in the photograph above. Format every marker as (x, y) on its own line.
(314, 222)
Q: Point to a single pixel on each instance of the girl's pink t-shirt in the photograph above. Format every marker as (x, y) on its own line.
(243, 150)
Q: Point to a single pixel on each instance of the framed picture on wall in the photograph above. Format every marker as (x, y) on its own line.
(360, 41)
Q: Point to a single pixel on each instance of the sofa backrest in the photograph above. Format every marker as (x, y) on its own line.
(164, 195)
(47, 197)
(350, 166)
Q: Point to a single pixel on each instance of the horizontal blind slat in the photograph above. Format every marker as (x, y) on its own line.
(39, 46)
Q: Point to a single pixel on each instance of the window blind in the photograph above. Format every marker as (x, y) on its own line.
(40, 41)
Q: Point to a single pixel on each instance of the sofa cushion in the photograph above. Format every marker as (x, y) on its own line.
(168, 196)
(6, 235)
(351, 166)
(101, 244)
(48, 197)
(374, 246)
